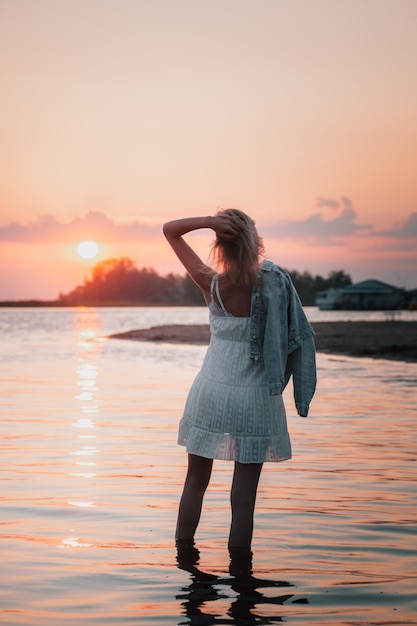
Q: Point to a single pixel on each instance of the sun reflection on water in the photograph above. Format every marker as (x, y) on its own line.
(73, 542)
(88, 345)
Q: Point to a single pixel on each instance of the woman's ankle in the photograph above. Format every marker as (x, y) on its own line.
(240, 560)
(184, 542)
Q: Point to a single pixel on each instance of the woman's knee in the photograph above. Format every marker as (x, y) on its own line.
(245, 484)
(199, 472)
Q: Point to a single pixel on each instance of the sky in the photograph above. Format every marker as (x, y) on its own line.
(118, 115)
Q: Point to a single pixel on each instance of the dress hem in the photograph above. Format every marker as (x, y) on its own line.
(227, 458)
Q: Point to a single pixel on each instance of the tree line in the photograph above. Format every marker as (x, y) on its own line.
(120, 282)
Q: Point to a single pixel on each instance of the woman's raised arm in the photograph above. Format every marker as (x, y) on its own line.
(199, 271)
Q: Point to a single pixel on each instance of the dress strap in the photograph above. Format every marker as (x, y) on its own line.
(215, 285)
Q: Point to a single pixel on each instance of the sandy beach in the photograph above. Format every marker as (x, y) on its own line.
(387, 340)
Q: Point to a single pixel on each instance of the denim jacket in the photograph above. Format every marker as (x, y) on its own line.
(281, 336)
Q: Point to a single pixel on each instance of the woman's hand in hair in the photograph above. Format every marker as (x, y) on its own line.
(224, 227)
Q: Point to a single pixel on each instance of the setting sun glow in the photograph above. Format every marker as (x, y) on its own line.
(87, 249)
(319, 149)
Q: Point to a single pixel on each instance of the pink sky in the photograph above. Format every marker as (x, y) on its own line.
(117, 115)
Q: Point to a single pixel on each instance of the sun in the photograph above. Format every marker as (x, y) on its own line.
(87, 249)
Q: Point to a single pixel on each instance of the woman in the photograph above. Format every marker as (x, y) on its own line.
(259, 338)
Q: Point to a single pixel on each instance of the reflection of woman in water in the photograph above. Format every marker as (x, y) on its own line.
(247, 601)
(259, 338)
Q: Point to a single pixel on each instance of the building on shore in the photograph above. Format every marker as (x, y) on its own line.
(368, 295)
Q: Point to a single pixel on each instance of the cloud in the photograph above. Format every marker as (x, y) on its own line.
(327, 202)
(402, 230)
(94, 225)
(318, 230)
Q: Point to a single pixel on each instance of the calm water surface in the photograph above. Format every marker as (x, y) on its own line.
(91, 476)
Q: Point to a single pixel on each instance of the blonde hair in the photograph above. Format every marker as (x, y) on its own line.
(239, 257)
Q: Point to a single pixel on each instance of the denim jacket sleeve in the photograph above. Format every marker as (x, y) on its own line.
(282, 337)
(301, 364)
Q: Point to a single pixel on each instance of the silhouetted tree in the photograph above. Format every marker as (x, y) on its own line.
(192, 294)
(338, 279)
(119, 281)
(307, 286)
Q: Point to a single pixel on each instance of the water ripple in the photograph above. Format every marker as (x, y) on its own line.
(91, 476)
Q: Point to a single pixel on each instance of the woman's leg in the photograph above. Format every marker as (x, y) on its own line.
(242, 499)
(196, 482)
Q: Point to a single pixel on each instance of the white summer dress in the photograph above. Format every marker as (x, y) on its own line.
(229, 413)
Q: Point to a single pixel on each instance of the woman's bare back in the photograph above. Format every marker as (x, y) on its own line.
(236, 299)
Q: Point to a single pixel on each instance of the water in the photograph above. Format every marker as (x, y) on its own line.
(91, 475)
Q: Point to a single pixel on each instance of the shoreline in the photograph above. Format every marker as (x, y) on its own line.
(394, 340)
